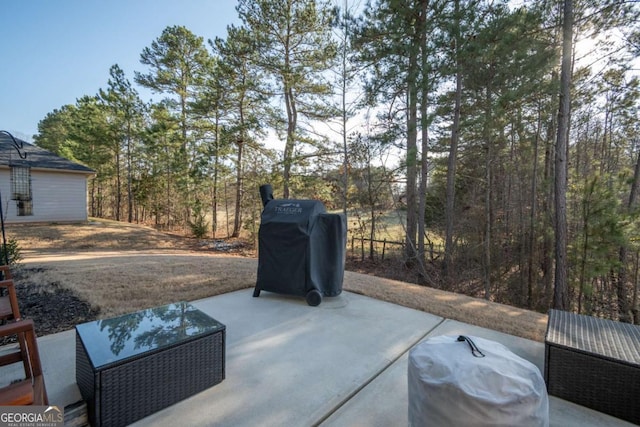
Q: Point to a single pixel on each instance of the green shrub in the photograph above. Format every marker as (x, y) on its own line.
(13, 251)
(199, 226)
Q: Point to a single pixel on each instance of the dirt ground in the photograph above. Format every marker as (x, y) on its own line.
(72, 273)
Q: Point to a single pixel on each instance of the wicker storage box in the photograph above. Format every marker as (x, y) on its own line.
(126, 372)
(594, 362)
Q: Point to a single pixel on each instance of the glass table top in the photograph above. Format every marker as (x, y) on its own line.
(109, 341)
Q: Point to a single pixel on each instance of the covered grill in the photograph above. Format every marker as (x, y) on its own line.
(301, 248)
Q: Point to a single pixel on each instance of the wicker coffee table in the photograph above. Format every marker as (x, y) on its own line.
(131, 366)
(594, 362)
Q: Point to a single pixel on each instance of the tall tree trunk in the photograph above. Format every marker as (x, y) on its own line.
(92, 191)
(185, 153)
(292, 116)
(216, 179)
(534, 213)
(168, 191)
(487, 227)
(237, 220)
(424, 125)
(548, 201)
(118, 184)
(453, 154)
(372, 229)
(345, 145)
(561, 288)
(226, 207)
(129, 174)
(412, 153)
(290, 143)
(584, 253)
(487, 267)
(99, 212)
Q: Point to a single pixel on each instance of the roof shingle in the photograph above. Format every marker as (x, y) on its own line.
(36, 157)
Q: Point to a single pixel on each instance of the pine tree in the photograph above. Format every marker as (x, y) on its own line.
(126, 116)
(178, 62)
(295, 48)
(245, 101)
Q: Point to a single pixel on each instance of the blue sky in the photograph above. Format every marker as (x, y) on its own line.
(53, 52)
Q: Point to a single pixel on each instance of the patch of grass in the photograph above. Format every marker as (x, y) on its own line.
(115, 285)
(138, 271)
(390, 226)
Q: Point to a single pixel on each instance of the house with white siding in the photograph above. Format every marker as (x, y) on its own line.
(39, 186)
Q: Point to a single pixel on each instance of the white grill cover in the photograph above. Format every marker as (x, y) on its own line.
(449, 386)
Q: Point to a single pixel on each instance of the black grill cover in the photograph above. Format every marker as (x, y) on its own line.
(301, 248)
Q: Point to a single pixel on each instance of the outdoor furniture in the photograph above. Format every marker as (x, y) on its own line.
(29, 388)
(461, 380)
(9, 309)
(8, 298)
(131, 366)
(594, 362)
(5, 272)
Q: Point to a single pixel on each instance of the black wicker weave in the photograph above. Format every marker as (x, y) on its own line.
(129, 389)
(594, 362)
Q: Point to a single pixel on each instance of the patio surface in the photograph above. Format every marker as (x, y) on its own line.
(343, 363)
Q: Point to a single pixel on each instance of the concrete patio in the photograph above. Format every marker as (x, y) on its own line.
(343, 363)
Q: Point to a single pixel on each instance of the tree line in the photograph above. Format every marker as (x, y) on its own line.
(510, 131)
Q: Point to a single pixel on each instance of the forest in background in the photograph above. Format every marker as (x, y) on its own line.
(510, 131)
